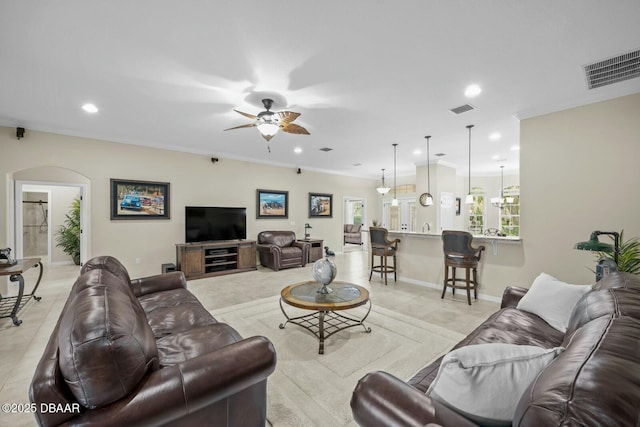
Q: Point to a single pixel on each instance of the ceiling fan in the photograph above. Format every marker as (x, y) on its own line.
(270, 122)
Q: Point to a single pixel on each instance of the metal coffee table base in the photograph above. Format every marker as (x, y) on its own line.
(323, 324)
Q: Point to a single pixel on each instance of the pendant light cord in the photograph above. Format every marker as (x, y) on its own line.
(394, 170)
(428, 167)
(469, 127)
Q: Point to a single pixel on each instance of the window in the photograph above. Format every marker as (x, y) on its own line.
(510, 212)
(476, 211)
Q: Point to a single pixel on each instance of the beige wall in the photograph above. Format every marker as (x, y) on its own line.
(194, 181)
(579, 173)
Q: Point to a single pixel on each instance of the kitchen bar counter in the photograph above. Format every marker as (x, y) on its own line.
(421, 261)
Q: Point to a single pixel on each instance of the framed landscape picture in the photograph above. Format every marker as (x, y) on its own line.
(320, 205)
(139, 199)
(272, 204)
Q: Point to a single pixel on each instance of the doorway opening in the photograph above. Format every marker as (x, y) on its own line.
(354, 224)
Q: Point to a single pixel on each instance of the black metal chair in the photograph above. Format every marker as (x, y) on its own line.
(458, 253)
(384, 248)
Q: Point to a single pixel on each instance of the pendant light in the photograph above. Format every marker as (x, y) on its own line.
(394, 202)
(429, 197)
(499, 202)
(469, 199)
(383, 189)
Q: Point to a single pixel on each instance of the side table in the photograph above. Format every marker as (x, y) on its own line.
(316, 251)
(9, 306)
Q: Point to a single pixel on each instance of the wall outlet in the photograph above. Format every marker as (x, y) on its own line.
(293, 223)
(138, 260)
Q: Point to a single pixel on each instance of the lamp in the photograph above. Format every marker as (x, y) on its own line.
(593, 244)
(429, 200)
(307, 235)
(383, 189)
(267, 122)
(394, 202)
(469, 199)
(499, 202)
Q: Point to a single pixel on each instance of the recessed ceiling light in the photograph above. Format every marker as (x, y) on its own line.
(515, 148)
(495, 136)
(417, 152)
(496, 157)
(90, 108)
(472, 91)
(297, 150)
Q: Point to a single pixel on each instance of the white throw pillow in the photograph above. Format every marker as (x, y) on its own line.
(552, 300)
(484, 382)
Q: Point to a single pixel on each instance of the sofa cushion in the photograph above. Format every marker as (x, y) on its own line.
(173, 311)
(552, 300)
(109, 263)
(484, 382)
(507, 326)
(195, 342)
(105, 345)
(594, 382)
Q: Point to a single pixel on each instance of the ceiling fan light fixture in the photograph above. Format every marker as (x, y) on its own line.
(268, 129)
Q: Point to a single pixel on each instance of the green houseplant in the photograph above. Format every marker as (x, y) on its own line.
(68, 234)
(628, 254)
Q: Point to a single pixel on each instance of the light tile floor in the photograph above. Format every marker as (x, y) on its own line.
(22, 346)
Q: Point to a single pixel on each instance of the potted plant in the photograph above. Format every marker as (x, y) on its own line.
(68, 234)
(628, 254)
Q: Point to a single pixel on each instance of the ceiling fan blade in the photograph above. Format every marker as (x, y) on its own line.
(249, 125)
(287, 116)
(293, 128)
(251, 116)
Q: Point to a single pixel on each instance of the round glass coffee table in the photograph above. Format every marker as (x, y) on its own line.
(324, 321)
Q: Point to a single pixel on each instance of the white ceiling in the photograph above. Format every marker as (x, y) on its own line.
(364, 74)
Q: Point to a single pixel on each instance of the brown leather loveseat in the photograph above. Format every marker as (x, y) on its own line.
(594, 381)
(280, 249)
(146, 352)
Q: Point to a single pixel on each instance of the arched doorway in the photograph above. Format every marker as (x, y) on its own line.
(41, 199)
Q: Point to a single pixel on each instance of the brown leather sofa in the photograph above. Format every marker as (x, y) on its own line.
(594, 382)
(280, 249)
(352, 234)
(146, 352)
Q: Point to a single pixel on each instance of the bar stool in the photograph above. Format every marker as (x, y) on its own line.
(458, 253)
(384, 248)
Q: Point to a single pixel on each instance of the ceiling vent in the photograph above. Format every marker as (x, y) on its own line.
(613, 70)
(326, 149)
(463, 109)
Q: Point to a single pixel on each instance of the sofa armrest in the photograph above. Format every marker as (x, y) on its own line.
(512, 295)
(178, 390)
(380, 399)
(158, 283)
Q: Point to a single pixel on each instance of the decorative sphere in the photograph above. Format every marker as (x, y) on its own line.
(324, 271)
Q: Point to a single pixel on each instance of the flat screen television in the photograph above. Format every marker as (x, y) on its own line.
(210, 223)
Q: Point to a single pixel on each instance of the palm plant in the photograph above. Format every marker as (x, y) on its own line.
(628, 254)
(68, 234)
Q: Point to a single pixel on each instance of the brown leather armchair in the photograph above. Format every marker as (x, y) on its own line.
(280, 249)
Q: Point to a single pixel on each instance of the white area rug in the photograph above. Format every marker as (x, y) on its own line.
(308, 389)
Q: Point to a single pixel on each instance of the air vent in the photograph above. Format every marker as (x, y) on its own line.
(462, 109)
(326, 149)
(439, 154)
(613, 70)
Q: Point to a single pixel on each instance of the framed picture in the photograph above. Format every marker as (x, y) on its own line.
(272, 204)
(139, 199)
(320, 205)
(458, 200)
